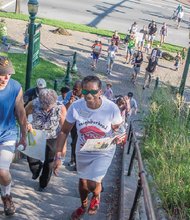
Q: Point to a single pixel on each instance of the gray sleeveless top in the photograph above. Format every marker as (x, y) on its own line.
(48, 121)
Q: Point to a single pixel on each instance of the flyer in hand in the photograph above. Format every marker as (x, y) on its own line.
(102, 144)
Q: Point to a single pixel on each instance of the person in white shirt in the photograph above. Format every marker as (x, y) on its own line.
(108, 93)
(96, 117)
(179, 17)
(112, 49)
(133, 104)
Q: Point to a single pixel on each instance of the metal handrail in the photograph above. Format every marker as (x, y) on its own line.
(142, 183)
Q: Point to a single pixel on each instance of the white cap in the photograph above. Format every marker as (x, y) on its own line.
(41, 83)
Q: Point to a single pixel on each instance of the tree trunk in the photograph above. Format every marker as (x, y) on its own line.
(17, 7)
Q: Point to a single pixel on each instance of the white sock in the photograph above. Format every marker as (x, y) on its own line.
(6, 190)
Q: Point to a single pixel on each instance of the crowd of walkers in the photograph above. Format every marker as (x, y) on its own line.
(139, 43)
(85, 111)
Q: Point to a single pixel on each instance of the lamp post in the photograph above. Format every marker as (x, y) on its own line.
(32, 9)
(185, 73)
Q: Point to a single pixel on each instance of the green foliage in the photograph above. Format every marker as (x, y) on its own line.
(82, 28)
(167, 151)
(44, 69)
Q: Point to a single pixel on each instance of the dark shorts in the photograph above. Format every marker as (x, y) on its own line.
(26, 40)
(95, 56)
(179, 19)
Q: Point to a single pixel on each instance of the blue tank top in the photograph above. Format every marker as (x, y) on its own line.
(8, 129)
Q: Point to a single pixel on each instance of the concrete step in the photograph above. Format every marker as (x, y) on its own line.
(61, 197)
(57, 202)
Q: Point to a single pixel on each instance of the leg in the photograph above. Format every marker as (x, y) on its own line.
(111, 65)
(83, 190)
(96, 189)
(161, 39)
(146, 79)
(133, 78)
(108, 65)
(35, 167)
(48, 163)
(6, 157)
(149, 79)
(127, 54)
(74, 137)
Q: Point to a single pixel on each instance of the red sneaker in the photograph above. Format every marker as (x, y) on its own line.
(78, 213)
(94, 205)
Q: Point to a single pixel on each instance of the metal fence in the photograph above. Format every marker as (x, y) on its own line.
(142, 180)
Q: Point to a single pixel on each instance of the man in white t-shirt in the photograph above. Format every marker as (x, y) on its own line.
(179, 17)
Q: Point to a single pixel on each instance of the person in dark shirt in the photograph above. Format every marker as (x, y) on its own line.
(136, 66)
(150, 69)
(33, 93)
(156, 52)
(152, 27)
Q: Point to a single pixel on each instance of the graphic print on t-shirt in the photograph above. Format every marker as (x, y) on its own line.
(90, 132)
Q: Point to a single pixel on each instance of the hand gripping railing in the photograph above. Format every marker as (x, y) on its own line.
(142, 181)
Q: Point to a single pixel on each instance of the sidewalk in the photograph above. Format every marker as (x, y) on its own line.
(62, 196)
(185, 2)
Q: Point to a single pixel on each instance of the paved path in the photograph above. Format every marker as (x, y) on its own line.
(116, 14)
(62, 194)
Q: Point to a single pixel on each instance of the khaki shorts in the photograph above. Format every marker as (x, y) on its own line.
(7, 150)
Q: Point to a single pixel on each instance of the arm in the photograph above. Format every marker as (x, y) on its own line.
(61, 146)
(62, 120)
(21, 117)
(71, 100)
(29, 108)
(63, 115)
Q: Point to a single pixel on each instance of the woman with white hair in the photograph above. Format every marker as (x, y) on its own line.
(48, 116)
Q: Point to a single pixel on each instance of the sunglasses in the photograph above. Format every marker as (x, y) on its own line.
(92, 92)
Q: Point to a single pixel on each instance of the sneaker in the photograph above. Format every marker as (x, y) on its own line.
(71, 164)
(36, 175)
(41, 189)
(8, 204)
(94, 205)
(78, 213)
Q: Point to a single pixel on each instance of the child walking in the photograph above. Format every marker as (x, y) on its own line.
(108, 93)
(96, 51)
(177, 61)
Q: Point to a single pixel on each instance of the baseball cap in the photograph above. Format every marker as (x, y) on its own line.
(6, 66)
(41, 83)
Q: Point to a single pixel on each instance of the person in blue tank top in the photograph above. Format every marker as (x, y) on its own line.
(11, 109)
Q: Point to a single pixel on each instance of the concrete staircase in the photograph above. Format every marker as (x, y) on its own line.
(61, 196)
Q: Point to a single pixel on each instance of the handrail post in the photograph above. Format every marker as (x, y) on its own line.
(136, 200)
(130, 142)
(130, 131)
(55, 85)
(131, 162)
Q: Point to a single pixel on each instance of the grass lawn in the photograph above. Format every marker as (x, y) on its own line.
(44, 69)
(166, 152)
(82, 28)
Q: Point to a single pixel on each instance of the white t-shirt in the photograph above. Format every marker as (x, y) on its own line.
(108, 93)
(180, 14)
(93, 123)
